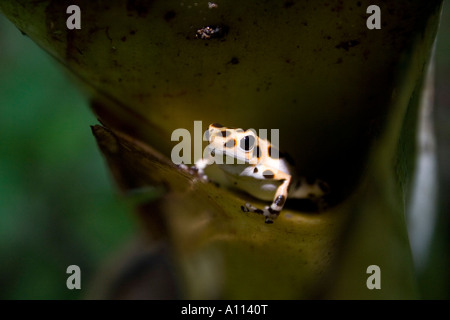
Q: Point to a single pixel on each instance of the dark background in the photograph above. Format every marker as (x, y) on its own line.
(58, 204)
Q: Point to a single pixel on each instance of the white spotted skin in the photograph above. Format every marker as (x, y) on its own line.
(246, 161)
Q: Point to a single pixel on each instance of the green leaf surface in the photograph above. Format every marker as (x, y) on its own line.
(345, 99)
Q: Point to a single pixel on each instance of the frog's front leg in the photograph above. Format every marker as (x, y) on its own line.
(273, 211)
(200, 166)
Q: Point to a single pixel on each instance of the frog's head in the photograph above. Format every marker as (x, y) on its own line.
(233, 143)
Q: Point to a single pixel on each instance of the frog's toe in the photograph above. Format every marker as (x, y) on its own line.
(252, 208)
(192, 169)
(196, 171)
(269, 217)
(183, 167)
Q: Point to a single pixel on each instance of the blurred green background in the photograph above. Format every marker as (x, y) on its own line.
(58, 204)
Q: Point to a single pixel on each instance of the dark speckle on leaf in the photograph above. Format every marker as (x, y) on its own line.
(288, 4)
(141, 7)
(234, 60)
(346, 45)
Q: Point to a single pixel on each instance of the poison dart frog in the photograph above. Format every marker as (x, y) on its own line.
(253, 165)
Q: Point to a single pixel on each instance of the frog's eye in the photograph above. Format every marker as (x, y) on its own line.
(247, 143)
